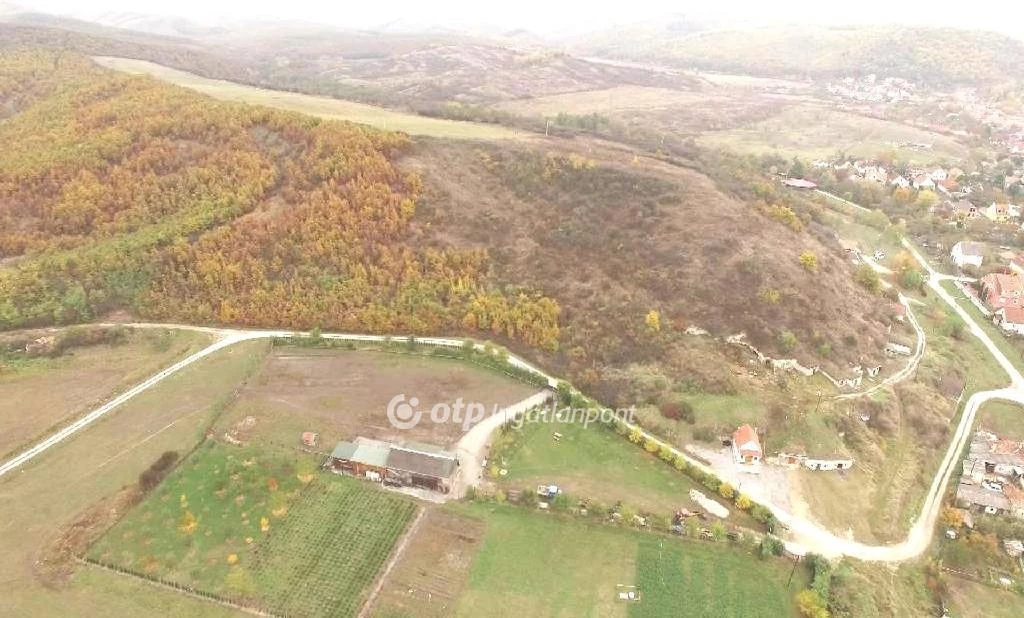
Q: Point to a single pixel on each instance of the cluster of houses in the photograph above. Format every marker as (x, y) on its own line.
(749, 456)
(873, 89)
(411, 464)
(993, 476)
(947, 181)
(963, 210)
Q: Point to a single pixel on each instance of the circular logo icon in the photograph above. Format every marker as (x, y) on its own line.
(402, 414)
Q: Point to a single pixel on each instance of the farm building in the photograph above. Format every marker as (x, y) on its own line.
(366, 458)
(410, 465)
(421, 465)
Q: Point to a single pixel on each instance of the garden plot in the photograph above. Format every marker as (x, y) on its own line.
(433, 570)
(262, 529)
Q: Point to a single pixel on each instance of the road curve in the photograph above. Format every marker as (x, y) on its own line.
(815, 537)
(226, 337)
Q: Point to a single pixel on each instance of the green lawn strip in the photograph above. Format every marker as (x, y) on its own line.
(534, 564)
(697, 579)
(595, 463)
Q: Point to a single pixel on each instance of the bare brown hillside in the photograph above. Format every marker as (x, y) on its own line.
(614, 237)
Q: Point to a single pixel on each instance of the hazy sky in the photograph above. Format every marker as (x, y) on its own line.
(551, 16)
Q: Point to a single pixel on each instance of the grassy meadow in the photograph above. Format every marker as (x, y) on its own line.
(324, 107)
(812, 131)
(532, 564)
(88, 375)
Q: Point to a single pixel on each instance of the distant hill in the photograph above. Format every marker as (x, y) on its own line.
(930, 55)
(123, 193)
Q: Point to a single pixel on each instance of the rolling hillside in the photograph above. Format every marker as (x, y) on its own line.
(929, 55)
(124, 193)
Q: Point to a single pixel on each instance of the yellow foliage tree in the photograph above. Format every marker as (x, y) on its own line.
(809, 261)
(189, 523)
(653, 320)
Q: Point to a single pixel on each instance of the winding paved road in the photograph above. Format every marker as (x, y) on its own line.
(813, 536)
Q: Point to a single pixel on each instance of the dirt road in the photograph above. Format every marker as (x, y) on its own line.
(810, 534)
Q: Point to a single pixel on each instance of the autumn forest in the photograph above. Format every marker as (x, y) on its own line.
(122, 193)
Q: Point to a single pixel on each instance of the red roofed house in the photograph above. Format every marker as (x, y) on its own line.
(1011, 319)
(1002, 290)
(746, 448)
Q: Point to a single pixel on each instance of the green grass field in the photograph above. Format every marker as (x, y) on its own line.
(263, 528)
(533, 564)
(812, 131)
(694, 580)
(324, 107)
(598, 464)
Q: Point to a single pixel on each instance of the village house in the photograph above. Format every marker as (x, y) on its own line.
(962, 209)
(1002, 457)
(992, 475)
(409, 465)
(966, 253)
(1017, 264)
(923, 181)
(1000, 290)
(986, 500)
(746, 447)
(1010, 319)
(938, 174)
(900, 182)
(897, 349)
(1001, 213)
(947, 186)
(876, 173)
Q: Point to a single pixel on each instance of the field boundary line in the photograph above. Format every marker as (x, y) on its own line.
(176, 588)
(396, 555)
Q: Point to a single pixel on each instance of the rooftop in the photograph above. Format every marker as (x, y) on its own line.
(367, 452)
(437, 465)
(975, 494)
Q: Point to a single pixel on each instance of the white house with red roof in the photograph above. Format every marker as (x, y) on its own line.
(1010, 319)
(746, 447)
